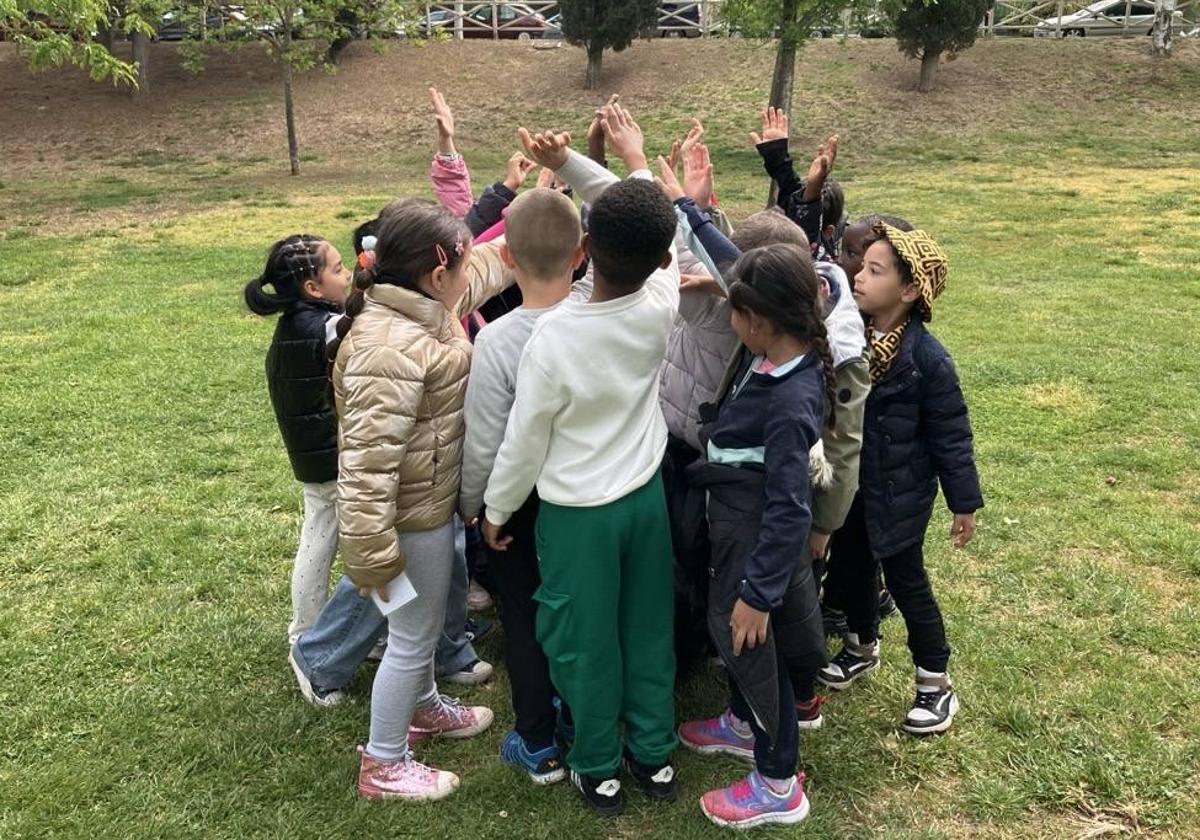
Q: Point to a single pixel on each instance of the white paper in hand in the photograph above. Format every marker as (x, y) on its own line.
(399, 591)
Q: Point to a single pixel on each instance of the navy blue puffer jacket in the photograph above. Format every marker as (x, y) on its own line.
(916, 432)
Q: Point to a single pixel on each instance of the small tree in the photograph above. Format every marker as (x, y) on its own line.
(597, 25)
(792, 22)
(927, 28)
(51, 33)
(1161, 35)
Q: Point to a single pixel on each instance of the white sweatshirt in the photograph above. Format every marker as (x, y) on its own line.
(586, 427)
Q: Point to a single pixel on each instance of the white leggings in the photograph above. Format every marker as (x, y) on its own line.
(314, 557)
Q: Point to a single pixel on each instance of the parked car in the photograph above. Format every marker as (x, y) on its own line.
(513, 21)
(677, 20)
(1105, 18)
(174, 26)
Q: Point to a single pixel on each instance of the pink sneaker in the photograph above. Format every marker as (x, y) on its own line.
(717, 736)
(751, 802)
(405, 778)
(448, 718)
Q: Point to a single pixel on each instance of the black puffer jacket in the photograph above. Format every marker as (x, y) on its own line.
(916, 432)
(298, 381)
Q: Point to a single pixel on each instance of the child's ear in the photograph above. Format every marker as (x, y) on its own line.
(312, 290)
(506, 256)
(580, 256)
(910, 293)
(437, 278)
(666, 260)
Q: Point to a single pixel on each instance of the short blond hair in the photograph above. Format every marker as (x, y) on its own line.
(543, 233)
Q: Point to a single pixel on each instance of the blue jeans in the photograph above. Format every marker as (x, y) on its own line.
(455, 651)
(349, 626)
(346, 629)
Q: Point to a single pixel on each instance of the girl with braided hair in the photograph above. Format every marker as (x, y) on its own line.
(763, 613)
(305, 280)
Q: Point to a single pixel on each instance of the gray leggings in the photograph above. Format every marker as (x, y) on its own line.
(405, 678)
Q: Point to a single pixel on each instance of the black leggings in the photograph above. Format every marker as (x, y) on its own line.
(854, 569)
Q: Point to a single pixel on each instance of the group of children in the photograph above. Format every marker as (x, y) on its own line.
(672, 435)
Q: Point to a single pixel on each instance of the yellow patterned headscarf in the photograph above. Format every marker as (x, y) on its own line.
(924, 258)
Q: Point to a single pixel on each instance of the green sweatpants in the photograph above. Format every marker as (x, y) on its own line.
(606, 620)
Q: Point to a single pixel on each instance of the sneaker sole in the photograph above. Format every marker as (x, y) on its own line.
(469, 679)
(334, 698)
(547, 778)
(797, 814)
(937, 728)
(810, 725)
(844, 684)
(378, 795)
(719, 749)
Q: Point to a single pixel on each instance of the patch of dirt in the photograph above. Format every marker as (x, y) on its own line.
(60, 121)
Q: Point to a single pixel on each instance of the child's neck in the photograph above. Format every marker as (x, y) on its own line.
(603, 291)
(887, 321)
(542, 294)
(784, 349)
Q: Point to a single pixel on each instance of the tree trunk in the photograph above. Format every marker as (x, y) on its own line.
(1160, 35)
(289, 109)
(141, 54)
(595, 58)
(784, 77)
(929, 66)
(106, 35)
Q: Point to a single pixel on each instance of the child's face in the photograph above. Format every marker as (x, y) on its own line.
(878, 287)
(333, 283)
(854, 245)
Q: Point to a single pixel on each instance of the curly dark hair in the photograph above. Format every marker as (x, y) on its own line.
(630, 229)
(290, 262)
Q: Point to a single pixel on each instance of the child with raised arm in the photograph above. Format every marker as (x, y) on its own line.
(542, 248)
(586, 428)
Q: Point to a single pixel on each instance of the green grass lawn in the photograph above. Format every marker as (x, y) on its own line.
(148, 516)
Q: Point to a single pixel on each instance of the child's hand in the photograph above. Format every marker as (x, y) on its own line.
(667, 180)
(495, 537)
(444, 118)
(774, 127)
(624, 136)
(819, 169)
(749, 627)
(365, 592)
(962, 529)
(681, 148)
(517, 170)
(548, 149)
(545, 178)
(700, 283)
(818, 543)
(595, 132)
(698, 176)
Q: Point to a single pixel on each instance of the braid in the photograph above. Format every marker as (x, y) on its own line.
(820, 343)
(364, 278)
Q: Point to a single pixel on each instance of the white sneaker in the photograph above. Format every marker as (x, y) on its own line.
(474, 674)
(935, 705)
(322, 701)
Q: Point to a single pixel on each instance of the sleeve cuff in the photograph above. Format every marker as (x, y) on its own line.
(498, 517)
(503, 192)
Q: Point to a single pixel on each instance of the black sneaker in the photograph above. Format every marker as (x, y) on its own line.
(934, 708)
(601, 795)
(887, 605)
(835, 622)
(853, 661)
(657, 782)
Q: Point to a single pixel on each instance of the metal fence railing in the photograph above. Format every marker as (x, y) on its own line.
(1048, 17)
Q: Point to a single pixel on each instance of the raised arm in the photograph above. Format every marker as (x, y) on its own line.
(449, 173)
(486, 277)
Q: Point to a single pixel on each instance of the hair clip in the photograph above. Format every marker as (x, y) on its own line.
(366, 260)
(458, 246)
(369, 243)
(443, 260)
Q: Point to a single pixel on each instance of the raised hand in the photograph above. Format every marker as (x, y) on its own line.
(680, 148)
(517, 170)
(820, 168)
(547, 148)
(624, 136)
(595, 132)
(698, 176)
(444, 118)
(545, 178)
(774, 127)
(667, 180)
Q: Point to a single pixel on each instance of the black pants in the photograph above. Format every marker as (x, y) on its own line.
(854, 569)
(777, 760)
(515, 577)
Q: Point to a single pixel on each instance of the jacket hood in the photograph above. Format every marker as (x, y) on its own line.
(847, 338)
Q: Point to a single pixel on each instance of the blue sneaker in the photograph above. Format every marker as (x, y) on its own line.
(564, 732)
(545, 767)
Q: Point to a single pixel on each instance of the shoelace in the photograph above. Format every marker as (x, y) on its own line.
(928, 699)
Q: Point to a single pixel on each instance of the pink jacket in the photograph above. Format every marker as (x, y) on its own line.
(452, 184)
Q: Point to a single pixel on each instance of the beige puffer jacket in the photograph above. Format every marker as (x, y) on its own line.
(399, 383)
